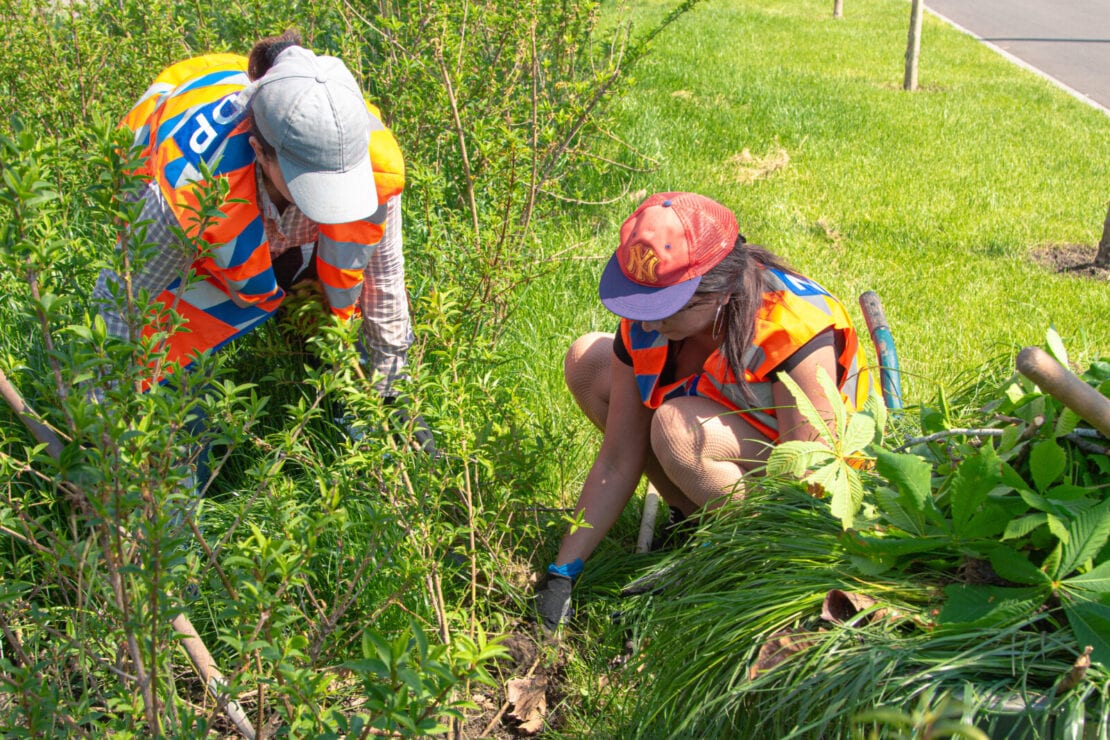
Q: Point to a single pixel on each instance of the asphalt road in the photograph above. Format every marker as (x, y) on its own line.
(1065, 40)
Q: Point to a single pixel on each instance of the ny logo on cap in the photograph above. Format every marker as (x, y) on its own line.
(642, 262)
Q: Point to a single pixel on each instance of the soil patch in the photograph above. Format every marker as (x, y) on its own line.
(502, 713)
(1070, 259)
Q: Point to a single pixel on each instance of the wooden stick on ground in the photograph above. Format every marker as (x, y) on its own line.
(1064, 385)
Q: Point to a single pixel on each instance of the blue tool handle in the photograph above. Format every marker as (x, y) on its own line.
(890, 376)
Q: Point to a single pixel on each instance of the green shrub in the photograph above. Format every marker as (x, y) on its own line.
(343, 585)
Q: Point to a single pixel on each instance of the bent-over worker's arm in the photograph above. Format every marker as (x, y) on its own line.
(386, 326)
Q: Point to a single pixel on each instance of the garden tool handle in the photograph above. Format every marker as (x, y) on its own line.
(1064, 385)
(890, 375)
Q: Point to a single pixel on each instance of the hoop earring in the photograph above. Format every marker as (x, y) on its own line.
(718, 324)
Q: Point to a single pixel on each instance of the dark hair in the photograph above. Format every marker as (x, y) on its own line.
(740, 275)
(262, 57)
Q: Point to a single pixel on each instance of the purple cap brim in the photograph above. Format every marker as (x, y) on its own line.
(640, 302)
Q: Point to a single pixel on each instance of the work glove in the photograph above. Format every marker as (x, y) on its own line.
(552, 601)
(410, 431)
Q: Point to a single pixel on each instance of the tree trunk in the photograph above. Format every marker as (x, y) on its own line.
(1102, 259)
(838, 8)
(913, 45)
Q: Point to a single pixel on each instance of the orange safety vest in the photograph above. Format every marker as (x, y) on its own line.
(795, 310)
(192, 114)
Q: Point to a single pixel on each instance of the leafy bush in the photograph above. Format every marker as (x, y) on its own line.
(341, 582)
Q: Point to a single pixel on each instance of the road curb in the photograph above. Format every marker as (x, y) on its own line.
(1020, 62)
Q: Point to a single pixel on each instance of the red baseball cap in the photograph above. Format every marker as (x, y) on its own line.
(667, 244)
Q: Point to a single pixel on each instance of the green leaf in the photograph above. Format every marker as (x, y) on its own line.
(1088, 531)
(808, 410)
(872, 566)
(894, 511)
(1041, 503)
(1023, 526)
(832, 479)
(988, 605)
(1097, 579)
(1013, 479)
(1066, 423)
(849, 496)
(1068, 492)
(832, 395)
(1090, 621)
(1056, 346)
(1016, 567)
(888, 547)
(911, 476)
(875, 407)
(796, 457)
(1046, 462)
(989, 521)
(1009, 438)
(1058, 526)
(968, 488)
(860, 432)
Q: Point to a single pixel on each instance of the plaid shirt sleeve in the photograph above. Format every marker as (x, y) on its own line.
(169, 260)
(386, 327)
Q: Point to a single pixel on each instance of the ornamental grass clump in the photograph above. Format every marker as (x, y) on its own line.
(973, 582)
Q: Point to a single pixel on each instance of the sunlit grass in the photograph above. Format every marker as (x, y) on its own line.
(933, 199)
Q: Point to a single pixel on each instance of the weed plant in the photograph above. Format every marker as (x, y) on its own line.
(970, 579)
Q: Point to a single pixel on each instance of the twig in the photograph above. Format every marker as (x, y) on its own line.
(460, 133)
(1079, 437)
(1077, 672)
(42, 433)
(578, 201)
(914, 441)
(1086, 445)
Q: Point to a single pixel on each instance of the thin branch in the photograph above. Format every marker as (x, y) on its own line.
(914, 441)
(460, 133)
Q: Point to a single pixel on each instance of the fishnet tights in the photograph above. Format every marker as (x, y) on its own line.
(699, 451)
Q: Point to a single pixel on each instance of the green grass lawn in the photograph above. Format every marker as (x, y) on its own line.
(934, 199)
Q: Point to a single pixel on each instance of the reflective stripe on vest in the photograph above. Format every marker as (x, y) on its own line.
(795, 310)
(191, 115)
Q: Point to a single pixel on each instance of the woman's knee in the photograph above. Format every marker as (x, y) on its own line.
(586, 365)
(691, 433)
(674, 438)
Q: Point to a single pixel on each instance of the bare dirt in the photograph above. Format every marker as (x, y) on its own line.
(1070, 259)
(498, 717)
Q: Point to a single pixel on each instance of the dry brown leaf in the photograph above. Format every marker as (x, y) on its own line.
(777, 648)
(529, 699)
(842, 606)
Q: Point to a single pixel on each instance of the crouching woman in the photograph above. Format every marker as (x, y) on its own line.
(688, 390)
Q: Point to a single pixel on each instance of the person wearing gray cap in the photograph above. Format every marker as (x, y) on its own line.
(315, 181)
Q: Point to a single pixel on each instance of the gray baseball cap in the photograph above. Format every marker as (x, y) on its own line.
(311, 110)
